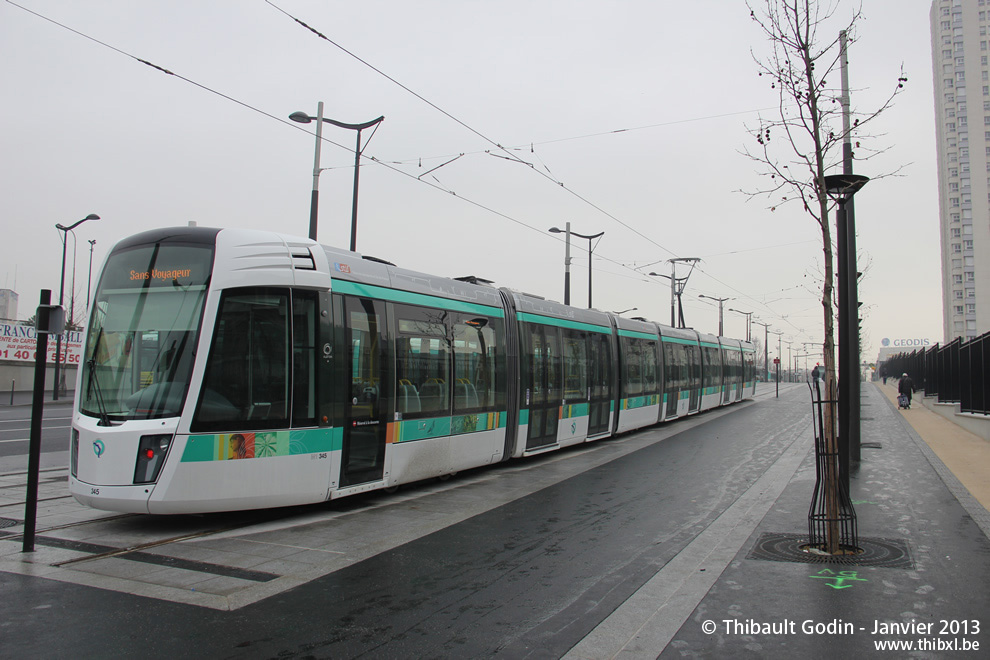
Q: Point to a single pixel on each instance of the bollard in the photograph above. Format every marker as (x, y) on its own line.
(49, 319)
(12, 382)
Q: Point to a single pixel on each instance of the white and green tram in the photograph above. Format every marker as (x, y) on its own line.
(228, 369)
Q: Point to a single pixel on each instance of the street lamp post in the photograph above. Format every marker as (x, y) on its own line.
(567, 273)
(304, 118)
(780, 349)
(790, 360)
(721, 302)
(766, 338)
(89, 276)
(567, 260)
(61, 291)
(749, 321)
(841, 188)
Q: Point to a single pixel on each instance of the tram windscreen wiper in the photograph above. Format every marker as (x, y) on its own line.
(95, 381)
(93, 385)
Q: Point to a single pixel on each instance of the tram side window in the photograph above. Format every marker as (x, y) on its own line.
(247, 384)
(694, 361)
(734, 358)
(639, 367)
(305, 334)
(477, 345)
(749, 368)
(676, 367)
(713, 367)
(540, 365)
(422, 352)
(575, 365)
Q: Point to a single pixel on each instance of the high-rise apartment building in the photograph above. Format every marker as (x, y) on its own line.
(8, 305)
(960, 55)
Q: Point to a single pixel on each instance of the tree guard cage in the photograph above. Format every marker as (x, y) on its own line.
(831, 517)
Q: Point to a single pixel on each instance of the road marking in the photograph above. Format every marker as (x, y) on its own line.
(44, 428)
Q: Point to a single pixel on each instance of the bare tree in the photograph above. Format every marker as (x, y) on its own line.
(803, 141)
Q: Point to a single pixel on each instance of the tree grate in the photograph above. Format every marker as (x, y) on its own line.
(882, 553)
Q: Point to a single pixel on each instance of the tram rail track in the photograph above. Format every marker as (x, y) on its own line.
(78, 523)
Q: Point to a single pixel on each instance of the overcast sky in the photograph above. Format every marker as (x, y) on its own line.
(86, 128)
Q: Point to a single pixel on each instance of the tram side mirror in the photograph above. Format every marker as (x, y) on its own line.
(50, 319)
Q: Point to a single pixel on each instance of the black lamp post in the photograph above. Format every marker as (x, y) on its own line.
(61, 291)
(304, 118)
(841, 188)
(567, 273)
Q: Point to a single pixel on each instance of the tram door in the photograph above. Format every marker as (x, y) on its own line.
(365, 424)
(600, 382)
(541, 384)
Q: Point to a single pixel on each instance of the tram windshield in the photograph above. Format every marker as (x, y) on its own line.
(142, 332)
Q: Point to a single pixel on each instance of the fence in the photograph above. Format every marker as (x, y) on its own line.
(958, 372)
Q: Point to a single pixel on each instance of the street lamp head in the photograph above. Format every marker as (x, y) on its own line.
(61, 227)
(841, 187)
(555, 230)
(301, 117)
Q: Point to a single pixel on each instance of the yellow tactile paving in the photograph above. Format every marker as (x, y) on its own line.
(965, 454)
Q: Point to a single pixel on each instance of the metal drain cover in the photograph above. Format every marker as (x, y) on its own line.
(8, 522)
(884, 553)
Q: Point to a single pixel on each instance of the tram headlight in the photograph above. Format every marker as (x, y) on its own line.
(150, 457)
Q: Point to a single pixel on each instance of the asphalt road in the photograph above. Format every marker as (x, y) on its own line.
(15, 430)
(530, 578)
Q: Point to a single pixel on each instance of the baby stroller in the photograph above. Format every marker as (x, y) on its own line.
(902, 401)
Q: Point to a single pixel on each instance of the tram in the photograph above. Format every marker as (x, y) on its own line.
(229, 369)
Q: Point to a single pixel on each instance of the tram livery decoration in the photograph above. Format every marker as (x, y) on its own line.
(232, 369)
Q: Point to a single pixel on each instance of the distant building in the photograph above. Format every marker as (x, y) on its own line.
(962, 127)
(8, 305)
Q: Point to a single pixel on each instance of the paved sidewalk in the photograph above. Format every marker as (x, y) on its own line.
(965, 454)
(929, 603)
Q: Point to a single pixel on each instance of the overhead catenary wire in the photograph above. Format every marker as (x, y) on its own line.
(437, 185)
(508, 151)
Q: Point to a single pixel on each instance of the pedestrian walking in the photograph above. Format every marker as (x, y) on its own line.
(905, 388)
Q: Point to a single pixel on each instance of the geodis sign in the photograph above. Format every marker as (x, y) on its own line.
(905, 343)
